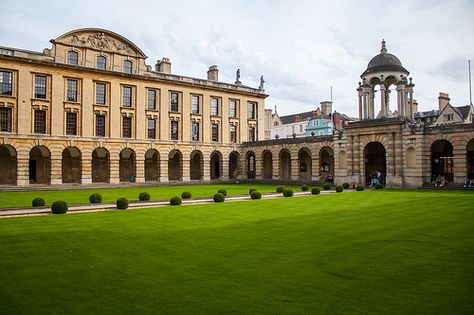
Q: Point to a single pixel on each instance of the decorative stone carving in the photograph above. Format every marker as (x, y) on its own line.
(100, 41)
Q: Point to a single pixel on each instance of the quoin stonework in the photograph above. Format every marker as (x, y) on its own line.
(91, 110)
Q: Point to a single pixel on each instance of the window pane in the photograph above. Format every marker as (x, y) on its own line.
(251, 134)
(6, 80)
(127, 96)
(71, 123)
(100, 93)
(5, 119)
(71, 90)
(233, 134)
(40, 86)
(39, 121)
(215, 132)
(151, 99)
(72, 57)
(195, 131)
(127, 66)
(100, 125)
(232, 108)
(174, 130)
(174, 102)
(214, 106)
(151, 128)
(195, 104)
(127, 127)
(251, 110)
(101, 62)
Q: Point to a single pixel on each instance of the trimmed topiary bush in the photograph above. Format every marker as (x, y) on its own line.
(327, 186)
(280, 189)
(359, 188)
(378, 186)
(176, 201)
(339, 188)
(256, 195)
(218, 197)
(186, 195)
(59, 207)
(144, 196)
(95, 198)
(304, 188)
(345, 185)
(122, 203)
(315, 191)
(251, 190)
(38, 202)
(287, 192)
(222, 191)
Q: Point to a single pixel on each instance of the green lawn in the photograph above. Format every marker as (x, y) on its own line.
(377, 252)
(81, 196)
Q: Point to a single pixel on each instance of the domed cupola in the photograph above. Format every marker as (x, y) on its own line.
(385, 75)
(384, 62)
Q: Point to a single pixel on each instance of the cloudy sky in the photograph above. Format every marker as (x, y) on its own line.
(301, 47)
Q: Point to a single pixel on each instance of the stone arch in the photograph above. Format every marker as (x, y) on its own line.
(233, 165)
(196, 165)
(152, 165)
(127, 161)
(267, 164)
(304, 163)
(342, 159)
(216, 164)
(251, 164)
(285, 164)
(411, 157)
(442, 159)
(8, 164)
(100, 165)
(326, 162)
(40, 165)
(71, 165)
(375, 163)
(470, 159)
(175, 165)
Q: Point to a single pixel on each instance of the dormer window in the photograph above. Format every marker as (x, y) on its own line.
(127, 66)
(72, 57)
(101, 62)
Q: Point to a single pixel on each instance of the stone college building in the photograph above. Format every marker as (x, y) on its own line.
(90, 110)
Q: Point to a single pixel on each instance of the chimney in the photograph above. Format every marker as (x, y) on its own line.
(314, 114)
(163, 65)
(326, 108)
(415, 106)
(213, 73)
(336, 119)
(443, 100)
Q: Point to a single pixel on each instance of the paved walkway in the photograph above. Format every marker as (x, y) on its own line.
(20, 212)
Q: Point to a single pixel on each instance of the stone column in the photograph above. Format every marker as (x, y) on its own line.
(315, 169)
(140, 168)
(56, 171)
(361, 114)
(383, 100)
(459, 164)
(163, 165)
(258, 167)
(295, 169)
(365, 105)
(225, 167)
(186, 169)
(114, 170)
(276, 167)
(86, 170)
(23, 170)
(206, 168)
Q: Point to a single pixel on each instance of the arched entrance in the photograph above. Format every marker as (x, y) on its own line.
(470, 159)
(267, 160)
(152, 165)
(100, 165)
(285, 164)
(326, 163)
(233, 165)
(40, 165)
(442, 160)
(216, 163)
(375, 162)
(175, 165)
(251, 165)
(196, 165)
(8, 164)
(304, 163)
(71, 165)
(127, 165)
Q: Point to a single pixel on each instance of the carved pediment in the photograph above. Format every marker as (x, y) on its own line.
(102, 40)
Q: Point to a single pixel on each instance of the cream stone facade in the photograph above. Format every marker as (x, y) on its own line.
(91, 110)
